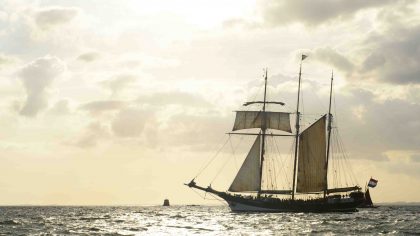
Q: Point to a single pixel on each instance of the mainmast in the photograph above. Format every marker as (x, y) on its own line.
(263, 129)
(329, 135)
(297, 129)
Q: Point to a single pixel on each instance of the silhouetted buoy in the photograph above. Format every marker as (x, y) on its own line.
(166, 202)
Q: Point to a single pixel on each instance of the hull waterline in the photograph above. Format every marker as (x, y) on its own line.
(241, 203)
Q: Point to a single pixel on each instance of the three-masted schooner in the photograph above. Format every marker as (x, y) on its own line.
(310, 166)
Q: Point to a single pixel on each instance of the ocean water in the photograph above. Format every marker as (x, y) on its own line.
(206, 220)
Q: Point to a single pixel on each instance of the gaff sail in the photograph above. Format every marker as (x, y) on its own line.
(311, 176)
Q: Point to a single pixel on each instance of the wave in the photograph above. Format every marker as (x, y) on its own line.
(9, 222)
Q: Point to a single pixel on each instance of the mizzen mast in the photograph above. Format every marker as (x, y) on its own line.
(329, 135)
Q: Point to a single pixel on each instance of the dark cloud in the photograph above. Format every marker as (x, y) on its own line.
(97, 107)
(52, 16)
(89, 56)
(378, 127)
(394, 55)
(387, 56)
(36, 77)
(312, 12)
(332, 57)
(373, 61)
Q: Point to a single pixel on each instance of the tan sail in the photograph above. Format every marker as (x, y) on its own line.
(311, 176)
(254, 119)
(248, 177)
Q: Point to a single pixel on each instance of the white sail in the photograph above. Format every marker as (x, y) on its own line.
(248, 177)
(254, 119)
(311, 176)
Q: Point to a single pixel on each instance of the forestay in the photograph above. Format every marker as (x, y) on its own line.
(254, 119)
(311, 176)
(248, 177)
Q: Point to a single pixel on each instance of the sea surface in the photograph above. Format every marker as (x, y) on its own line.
(207, 220)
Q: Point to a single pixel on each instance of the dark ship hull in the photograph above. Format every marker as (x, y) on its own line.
(241, 203)
(367, 203)
(268, 204)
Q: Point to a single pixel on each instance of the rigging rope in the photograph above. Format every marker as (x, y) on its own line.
(225, 163)
(212, 159)
(282, 165)
(233, 153)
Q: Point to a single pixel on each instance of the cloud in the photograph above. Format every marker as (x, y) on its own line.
(97, 107)
(174, 97)
(393, 55)
(312, 12)
(373, 61)
(6, 60)
(60, 108)
(118, 83)
(197, 132)
(93, 133)
(332, 57)
(415, 158)
(130, 122)
(409, 169)
(54, 16)
(372, 126)
(387, 54)
(89, 56)
(368, 124)
(36, 77)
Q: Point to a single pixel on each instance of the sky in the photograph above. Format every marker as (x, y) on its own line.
(121, 102)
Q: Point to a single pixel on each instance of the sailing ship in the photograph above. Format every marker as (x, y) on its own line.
(310, 166)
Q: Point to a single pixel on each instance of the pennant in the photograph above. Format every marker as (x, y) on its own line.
(303, 57)
(372, 183)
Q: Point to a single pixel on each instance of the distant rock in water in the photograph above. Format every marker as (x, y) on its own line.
(166, 202)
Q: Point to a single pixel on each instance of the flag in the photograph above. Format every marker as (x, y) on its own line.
(372, 183)
(303, 57)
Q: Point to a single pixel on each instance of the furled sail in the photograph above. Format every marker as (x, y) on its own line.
(254, 119)
(311, 176)
(248, 177)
